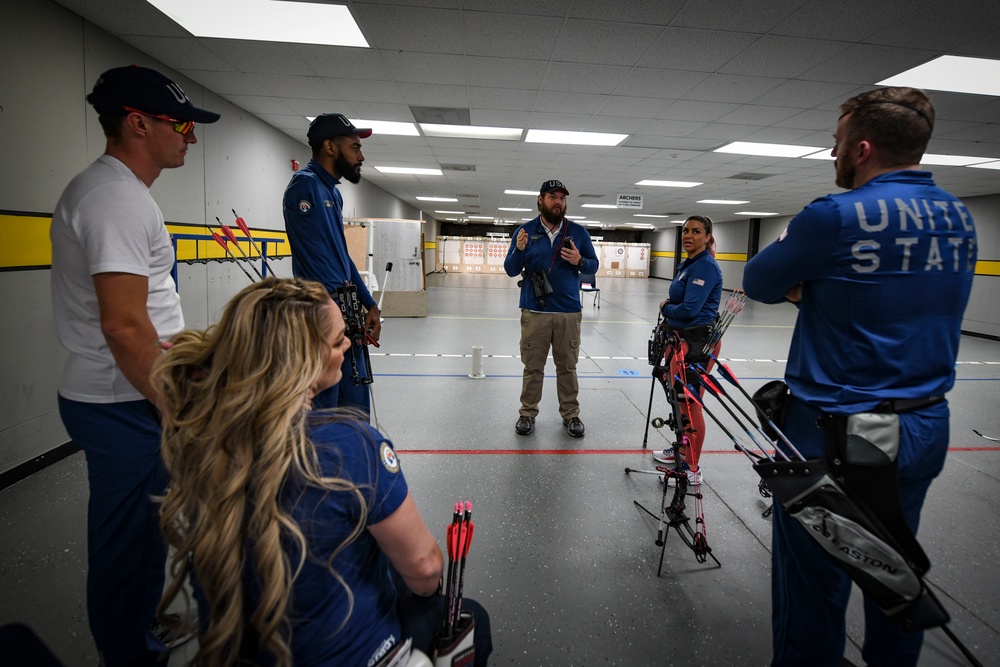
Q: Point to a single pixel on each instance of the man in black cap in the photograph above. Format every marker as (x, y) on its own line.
(550, 252)
(114, 299)
(314, 219)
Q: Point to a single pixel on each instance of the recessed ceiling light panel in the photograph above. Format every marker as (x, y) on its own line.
(953, 160)
(670, 184)
(388, 127)
(957, 74)
(471, 132)
(415, 171)
(266, 21)
(574, 138)
(767, 150)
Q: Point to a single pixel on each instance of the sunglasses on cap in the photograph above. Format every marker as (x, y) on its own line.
(182, 126)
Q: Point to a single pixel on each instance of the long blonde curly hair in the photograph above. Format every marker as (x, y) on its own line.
(234, 433)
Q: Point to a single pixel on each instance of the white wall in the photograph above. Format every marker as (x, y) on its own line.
(48, 133)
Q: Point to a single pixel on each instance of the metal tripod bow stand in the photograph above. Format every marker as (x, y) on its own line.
(663, 345)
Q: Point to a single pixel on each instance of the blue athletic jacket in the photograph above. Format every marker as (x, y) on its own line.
(314, 219)
(886, 271)
(543, 255)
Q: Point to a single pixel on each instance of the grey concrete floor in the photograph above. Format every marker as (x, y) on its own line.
(562, 559)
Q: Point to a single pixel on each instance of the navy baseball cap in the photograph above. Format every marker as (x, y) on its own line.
(146, 90)
(330, 125)
(553, 186)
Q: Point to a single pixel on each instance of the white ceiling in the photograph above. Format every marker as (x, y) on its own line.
(680, 77)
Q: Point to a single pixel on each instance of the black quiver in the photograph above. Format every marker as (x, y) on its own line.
(850, 505)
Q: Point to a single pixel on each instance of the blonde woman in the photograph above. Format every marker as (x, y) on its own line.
(294, 525)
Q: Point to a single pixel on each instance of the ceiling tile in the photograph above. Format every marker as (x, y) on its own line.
(604, 42)
(778, 56)
(500, 35)
(664, 83)
(695, 50)
(758, 16)
(732, 88)
(583, 78)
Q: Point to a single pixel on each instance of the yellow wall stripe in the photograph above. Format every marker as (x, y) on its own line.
(25, 240)
(26, 244)
(721, 257)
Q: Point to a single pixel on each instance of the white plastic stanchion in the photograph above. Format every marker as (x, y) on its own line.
(477, 362)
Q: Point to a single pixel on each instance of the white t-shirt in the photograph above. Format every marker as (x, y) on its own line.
(106, 221)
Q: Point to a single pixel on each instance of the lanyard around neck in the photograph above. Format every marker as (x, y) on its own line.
(558, 246)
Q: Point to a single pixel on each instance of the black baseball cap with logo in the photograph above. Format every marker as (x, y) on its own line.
(330, 125)
(553, 186)
(145, 90)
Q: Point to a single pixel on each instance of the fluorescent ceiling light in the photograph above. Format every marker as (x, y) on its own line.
(526, 219)
(417, 171)
(648, 215)
(677, 222)
(451, 212)
(670, 184)
(266, 21)
(598, 206)
(437, 198)
(471, 132)
(592, 223)
(480, 217)
(956, 74)
(451, 219)
(767, 150)
(759, 213)
(640, 225)
(953, 160)
(822, 155)
(576, 138)
(722, 201)
(503, 208)
(986, 165)
(520, 192)
(388, 127)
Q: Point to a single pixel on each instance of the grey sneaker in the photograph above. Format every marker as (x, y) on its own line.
(524, 425)
(574, 427)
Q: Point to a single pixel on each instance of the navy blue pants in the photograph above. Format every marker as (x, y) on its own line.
(809, 590)
(345, 393)
(126, 556)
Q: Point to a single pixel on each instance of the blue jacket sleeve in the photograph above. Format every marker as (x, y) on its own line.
(802, 253)
(513, 264)
(588, 256)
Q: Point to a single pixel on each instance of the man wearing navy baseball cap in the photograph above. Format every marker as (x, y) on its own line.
(114, 299)
(314, 219)
(550, 252)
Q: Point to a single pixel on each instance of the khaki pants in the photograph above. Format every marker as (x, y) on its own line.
(561, 332)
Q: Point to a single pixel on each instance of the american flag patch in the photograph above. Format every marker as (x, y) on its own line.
(699, 282)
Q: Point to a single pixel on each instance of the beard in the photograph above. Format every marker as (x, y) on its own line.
(347, 170)
(549, 213)
(846, 173)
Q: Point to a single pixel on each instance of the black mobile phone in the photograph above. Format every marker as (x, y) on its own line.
(567, 243)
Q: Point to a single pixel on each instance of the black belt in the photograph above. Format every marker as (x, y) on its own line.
(899, 405)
